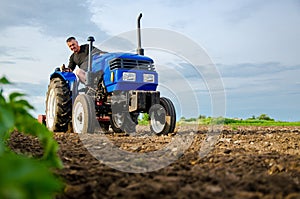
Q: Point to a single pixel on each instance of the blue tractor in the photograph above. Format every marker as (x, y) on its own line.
(119, 86)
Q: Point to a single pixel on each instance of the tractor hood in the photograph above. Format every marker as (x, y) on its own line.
(102, 61)
(140, 69)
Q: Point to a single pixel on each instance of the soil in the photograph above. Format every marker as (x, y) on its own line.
(245, 162)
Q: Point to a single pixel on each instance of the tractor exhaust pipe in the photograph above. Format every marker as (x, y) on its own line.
(89, 79)
(139, 49)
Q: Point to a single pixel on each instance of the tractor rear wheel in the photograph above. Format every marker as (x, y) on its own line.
(84, 114)
(163, 117)
(58, 105)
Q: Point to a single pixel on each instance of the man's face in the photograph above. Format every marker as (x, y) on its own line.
(73, 45)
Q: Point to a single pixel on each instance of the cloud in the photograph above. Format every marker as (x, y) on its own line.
(237, 12)
(6, 51)
(31, 59)
(56, 17)
(165, 14)
(29, 89)
(232, 32)
(7, 62)
(262, 88)
(269, 79)
(33, 35)
(255, 69)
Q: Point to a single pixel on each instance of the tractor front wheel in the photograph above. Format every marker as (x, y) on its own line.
(162, 117)
(123, 122)
(84, 115)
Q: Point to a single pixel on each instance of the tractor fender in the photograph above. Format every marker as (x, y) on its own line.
(69, 77)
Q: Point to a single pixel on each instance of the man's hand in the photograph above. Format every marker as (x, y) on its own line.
(64, 69)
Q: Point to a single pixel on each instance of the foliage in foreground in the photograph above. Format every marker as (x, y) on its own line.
(21, 176)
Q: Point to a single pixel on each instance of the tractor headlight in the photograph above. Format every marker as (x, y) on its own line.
(129, 76)
(149, 78)
(112, 76)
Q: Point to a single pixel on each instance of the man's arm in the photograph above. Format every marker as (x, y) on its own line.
(72, 63)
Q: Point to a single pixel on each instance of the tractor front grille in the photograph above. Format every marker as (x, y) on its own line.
(131, 64)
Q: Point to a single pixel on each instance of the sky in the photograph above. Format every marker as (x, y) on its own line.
(253, 44)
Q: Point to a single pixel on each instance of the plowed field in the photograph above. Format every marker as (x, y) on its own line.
(245, 162)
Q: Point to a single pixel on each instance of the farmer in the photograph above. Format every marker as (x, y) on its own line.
(78, 60)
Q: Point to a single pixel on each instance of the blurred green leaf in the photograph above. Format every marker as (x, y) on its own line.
(2, 99)
(6, 118)
(23, 178)
(24, 104)
(20, 176)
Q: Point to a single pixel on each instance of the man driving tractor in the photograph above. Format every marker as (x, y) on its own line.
(78, 58)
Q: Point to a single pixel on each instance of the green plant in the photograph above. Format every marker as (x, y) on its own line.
(265, 117)
(201, 117)
(262, 120)
(21, 176)
(234, 128)
(144, 120)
